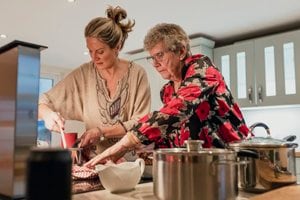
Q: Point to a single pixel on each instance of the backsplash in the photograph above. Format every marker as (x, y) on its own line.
(282, 121)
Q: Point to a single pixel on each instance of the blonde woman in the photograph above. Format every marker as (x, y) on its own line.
(109, 94)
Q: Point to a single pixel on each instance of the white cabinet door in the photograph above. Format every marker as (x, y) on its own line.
(223, 60)
(236, 63)
(277, 60)
(263, 71)
(244, 76)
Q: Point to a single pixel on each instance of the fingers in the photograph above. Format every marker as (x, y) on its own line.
(89, 137)
(54, 121)
(101, 158)
(91, 163)
(59, 120)
(84, 139)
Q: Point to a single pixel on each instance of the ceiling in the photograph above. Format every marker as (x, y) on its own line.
(59, 24)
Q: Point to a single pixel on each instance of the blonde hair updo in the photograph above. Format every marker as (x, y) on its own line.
(110, 29)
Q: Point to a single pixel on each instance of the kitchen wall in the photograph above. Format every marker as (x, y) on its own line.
(282, 120)
(70, 127)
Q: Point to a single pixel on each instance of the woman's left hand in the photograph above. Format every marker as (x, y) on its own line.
(114, 153)
(90, 136)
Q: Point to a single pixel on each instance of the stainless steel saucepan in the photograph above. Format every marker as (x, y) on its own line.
(274, 167)
(209, 174)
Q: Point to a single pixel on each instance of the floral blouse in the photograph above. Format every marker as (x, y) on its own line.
(203, 108)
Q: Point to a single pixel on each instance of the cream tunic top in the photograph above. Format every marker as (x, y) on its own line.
(83, 96)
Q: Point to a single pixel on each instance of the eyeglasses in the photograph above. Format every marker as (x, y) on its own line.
(158, 57)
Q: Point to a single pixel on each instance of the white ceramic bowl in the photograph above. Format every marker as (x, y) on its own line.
(121, 177)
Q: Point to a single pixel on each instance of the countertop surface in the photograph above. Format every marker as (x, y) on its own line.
(142, 191)
(291, 192)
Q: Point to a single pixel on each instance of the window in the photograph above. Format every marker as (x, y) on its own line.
(47, 81)
(45, 85)
(225, 65)
(270, 71)
(241, 74)
(289, 68)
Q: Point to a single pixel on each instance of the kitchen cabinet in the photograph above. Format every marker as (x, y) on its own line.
(263, 71)
(203, 46)
(198, 45)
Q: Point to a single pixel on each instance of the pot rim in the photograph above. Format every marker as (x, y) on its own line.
(261, 142)
(203, 151)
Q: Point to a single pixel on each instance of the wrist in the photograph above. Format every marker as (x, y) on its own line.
(132, 139)
(101, 134)
(123, 126)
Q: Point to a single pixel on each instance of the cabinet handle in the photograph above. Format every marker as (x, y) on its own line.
(250, 91)
(260, 90)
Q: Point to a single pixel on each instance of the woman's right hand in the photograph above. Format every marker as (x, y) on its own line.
(54, 121)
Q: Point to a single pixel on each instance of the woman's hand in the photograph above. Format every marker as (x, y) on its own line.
(115, 152)
(90, 136)
(53, 120)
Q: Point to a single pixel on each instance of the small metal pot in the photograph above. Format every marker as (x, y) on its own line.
(274, 167)
(209, 174)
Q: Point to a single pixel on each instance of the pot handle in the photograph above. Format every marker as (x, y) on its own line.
(290, 138)
(214, 163)
(247, 153)
(292, 145)
(259, 124)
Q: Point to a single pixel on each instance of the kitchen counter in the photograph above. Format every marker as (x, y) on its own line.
(142, 191)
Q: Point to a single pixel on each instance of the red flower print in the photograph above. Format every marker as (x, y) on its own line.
(192, 58)
(152, 133)
(190, 93)
(203, 110)
(145, 118)
(168, 91)
(223, 107)
(184, 135)
(214, 77)
(173, 107)
(176, 140)
(243, 129)
(190, 72)
(237, 112)
(227, 133)
(203, 135)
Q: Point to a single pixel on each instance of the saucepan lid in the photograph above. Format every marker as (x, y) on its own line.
(184, 151)
(263, 142)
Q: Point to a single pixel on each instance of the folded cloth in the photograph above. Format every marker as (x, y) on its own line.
(81, 172)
